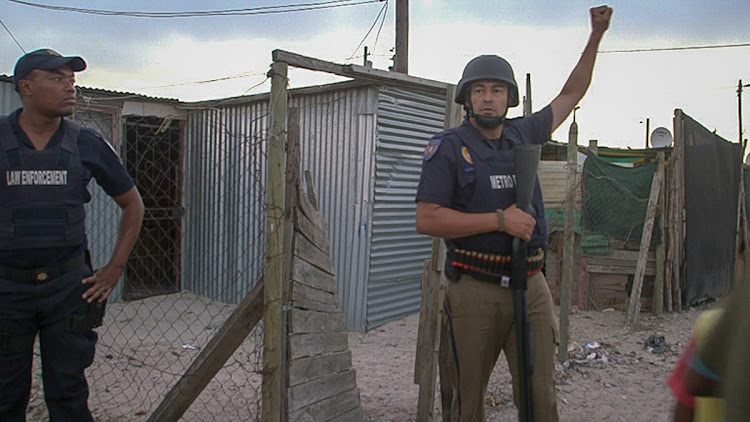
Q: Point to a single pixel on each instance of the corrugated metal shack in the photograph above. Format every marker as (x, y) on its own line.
(362, 141)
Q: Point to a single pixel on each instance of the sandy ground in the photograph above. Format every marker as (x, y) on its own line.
(146, 345)
(620, 380)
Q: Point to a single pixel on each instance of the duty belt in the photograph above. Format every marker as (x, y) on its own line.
(41, 275)
(491, 265)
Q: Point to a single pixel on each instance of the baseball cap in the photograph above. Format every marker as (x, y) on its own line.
(44, 59)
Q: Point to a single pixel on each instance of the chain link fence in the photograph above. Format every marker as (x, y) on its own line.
(199, 253)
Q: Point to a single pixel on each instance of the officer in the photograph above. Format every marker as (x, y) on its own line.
(466, 195)
(47, 285)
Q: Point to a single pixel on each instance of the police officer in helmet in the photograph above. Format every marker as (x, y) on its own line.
(466, 195)
(47, 285)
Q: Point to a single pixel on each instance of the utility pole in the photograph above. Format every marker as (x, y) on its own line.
(648, 127)
(739, 107)
(401, 58)
(527, 98)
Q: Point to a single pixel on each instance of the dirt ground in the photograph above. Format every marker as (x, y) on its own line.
(615, 373)
(611, 375)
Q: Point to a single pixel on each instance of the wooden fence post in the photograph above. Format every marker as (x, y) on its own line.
(431, 350)
(568, 243)
(657, 303)
(274, 329)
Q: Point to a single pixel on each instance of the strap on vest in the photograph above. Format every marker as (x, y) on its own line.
(71, 131)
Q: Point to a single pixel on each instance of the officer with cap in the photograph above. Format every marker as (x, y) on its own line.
(466, 195)
(47, 286)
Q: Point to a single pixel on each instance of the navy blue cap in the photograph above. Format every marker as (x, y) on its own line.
(44, 59)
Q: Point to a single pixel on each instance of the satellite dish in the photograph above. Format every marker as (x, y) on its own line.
(661, 137)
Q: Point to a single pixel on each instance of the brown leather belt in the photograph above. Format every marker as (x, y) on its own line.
(491, 265)
(41, 275)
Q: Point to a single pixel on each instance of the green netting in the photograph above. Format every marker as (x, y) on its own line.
(556, 220)
(615, 199)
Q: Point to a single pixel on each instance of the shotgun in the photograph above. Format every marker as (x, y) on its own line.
(526, 162)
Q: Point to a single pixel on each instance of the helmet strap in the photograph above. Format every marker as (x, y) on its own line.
(485, 121)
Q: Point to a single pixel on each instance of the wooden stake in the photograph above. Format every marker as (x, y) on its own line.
(274, 330)
(430, 335)
(569, 243)
(640, 268)
(657, 302)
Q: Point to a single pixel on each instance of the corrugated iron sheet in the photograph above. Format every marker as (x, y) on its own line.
(9, 99)
(225, 181)
(406, 121)
(223, 243)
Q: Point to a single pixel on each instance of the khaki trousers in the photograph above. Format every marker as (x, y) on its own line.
(480, 322)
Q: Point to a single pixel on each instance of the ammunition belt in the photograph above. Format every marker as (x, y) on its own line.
(480, 263)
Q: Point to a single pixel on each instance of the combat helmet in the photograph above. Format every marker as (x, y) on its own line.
(487, 67)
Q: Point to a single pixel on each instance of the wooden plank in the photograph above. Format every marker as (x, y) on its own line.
(617, 269)
(315, 233)
(322, 388)
(427, 341)
(303, 321)
(212, 357)
(628, 255)
(568, 243)
(310, 253)
(352, 416)
(310, 190)
(310, 210)
(312, 276)
(312, 367)
(306, 297)
(657, 304)
(672, 217)
(653, 201)
(356, 71)
(679, 223)
(274, 335)
(313, 344)
(329, 409)
(606, 261)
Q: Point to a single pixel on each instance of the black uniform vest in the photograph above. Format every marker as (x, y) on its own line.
(488, 184)
(41, 192)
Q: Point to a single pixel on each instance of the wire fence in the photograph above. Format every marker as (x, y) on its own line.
(199, 253)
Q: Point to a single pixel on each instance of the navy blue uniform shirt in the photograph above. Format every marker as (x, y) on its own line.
(465, 171)
(99, 161)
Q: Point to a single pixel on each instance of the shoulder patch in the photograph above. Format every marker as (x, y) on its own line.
(432, 147)
(466, 155)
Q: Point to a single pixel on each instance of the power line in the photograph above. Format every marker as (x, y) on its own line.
(263, 10)
(12, 36)
(699, 47)
(382, 9)
(207, 81)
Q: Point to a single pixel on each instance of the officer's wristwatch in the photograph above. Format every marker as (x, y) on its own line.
(501, 220)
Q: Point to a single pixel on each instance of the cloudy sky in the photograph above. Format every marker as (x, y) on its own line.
(657, 55)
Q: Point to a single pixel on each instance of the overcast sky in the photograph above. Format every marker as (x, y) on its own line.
(169, 57)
